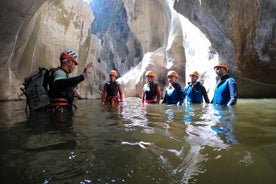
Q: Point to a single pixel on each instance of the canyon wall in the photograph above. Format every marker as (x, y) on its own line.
(243, 34)
(133, 36)
(37, 34)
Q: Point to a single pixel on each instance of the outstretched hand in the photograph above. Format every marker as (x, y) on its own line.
(86, 71)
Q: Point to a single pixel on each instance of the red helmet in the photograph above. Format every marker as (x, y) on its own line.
(69, 54)
(113, 72)
(150, 74)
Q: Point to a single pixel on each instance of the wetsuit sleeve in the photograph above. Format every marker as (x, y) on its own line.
(68, 82)
(233, 92)
(204, 93)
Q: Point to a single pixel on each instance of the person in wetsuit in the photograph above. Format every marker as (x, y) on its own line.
(194, 91)
(225, 92)
(111, 89)
(151, 91)
(174, 93)
(61, 87)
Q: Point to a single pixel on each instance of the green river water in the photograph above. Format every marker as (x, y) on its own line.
(135, 144)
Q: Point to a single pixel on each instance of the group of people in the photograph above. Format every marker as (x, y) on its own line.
(225, 92)
(62, 86)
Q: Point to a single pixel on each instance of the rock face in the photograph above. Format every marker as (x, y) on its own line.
(14, 18)
(243, 34)
(143, 37)
(128, 30)
(38, 41)
(120, 49)
(133, 36)
(146, 44)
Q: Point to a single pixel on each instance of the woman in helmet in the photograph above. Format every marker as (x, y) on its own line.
(62, 85)
(226, 88)
(194, 91)
(151, 91)
(111, 89)
(174, 93)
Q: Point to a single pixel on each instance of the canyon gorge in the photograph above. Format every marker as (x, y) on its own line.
(133, 36)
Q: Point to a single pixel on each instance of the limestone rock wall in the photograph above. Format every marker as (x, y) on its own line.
(14, 18)
(56, 25)
(140, 35)
(152, 27)
(128, 30)
(243, 34)
(143, 32)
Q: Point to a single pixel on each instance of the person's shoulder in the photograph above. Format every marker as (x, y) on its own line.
(198, 84)
(59, 72)
(177, 85)
(187, 86)
(231, 79)
(155, 84)
(112, 83)
(117, 83)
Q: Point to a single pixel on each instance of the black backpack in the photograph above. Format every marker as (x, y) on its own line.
(36, 89)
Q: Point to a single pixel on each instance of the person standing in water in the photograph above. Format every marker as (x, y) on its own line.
(194, 91)
(225, 92)
(151, 90)
(174, 93)
(61, 87)
(111, 89)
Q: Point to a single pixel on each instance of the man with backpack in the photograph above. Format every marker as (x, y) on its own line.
(61, 86)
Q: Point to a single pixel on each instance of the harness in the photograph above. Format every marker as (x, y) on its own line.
(58, 102)
(150, 101)
(112, 100)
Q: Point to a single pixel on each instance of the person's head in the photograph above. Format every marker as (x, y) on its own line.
(68, 60)
(194, 76)
(172, 76)
(221, 69)
(149, 76)
(113, 75)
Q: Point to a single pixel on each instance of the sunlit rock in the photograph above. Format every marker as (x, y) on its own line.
(55, 26)
(120, 49)
(150, 26)
(242, 33)
(139, 35)
(134, 80)
(14, 17)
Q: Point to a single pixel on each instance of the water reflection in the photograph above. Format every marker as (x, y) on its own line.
(141, 144)
(210, 127)
(212, 123)
(41, 122)
(203, 126)
(224, 117)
